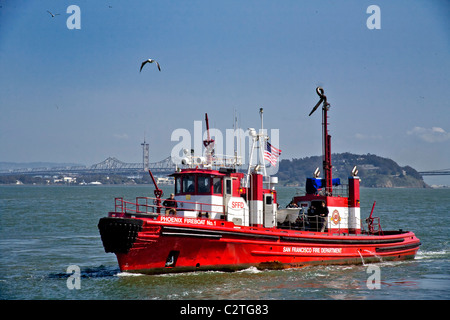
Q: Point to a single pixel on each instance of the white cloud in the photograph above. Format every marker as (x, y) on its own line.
(435, 134)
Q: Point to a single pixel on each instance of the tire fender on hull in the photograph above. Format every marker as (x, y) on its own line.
(119, 234)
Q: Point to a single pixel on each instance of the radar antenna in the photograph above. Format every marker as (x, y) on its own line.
(326, 146)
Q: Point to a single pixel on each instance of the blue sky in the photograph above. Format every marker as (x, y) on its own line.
(77, 95)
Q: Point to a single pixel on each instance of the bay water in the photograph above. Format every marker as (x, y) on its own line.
(47, 230)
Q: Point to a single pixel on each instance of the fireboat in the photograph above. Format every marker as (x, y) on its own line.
(219, 218)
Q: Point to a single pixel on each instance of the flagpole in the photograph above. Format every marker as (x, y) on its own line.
(261, 114)
(254, 138)
(262, 143)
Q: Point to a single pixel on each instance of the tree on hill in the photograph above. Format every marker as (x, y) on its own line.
(374, 171)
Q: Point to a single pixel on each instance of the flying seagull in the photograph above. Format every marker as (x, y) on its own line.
(150, 61)
(53, 15)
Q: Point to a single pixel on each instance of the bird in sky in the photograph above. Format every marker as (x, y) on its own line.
(150, 61)
(53, 15)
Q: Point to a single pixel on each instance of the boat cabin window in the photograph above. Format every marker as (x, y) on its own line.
(228, 186)
(203, 184)
(178, 185)
(217, 185)
(188, 184)
(198, 184)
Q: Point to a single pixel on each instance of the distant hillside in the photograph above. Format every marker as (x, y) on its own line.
(374, 171)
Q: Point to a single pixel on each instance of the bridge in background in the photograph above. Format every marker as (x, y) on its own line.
(443, 172)
(114, 166)
(108, 166)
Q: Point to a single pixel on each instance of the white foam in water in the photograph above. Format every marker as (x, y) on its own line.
(128, 274)
(429, 254)
(251, 270)
(195, 273)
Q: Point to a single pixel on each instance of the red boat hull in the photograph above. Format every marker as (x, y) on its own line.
(182, 245)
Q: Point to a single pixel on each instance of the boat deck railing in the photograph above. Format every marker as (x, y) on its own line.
(373, 225)
(314, 223)
(305, 223)
(340, 190)
(149, 205)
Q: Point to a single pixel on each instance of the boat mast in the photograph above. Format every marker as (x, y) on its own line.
(208, 143)
(326, 144)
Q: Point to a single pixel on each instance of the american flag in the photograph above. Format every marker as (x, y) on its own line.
(271, 154)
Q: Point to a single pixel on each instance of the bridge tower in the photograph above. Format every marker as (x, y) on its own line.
(145, 155)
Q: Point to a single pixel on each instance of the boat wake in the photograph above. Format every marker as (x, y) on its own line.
(427, 255)
(89, 272)
(129, 274)
(250, 270)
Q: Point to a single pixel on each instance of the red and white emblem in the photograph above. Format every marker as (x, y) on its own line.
(335, 217)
